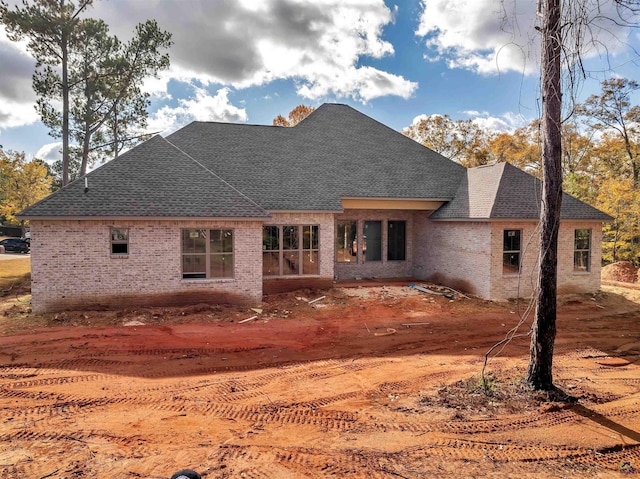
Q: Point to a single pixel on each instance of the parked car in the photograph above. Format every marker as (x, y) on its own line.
(15, 245)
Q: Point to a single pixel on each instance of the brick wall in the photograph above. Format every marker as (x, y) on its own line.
(457, 254)
(468, 256)
(383, 268)
(72, 265)
(569, 281)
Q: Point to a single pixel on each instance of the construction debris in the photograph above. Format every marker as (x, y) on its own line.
(430, 291)
(317, 299)
(248, 319)
(134, 323)
(389, 332)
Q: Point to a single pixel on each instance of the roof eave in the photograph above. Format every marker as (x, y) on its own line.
(143, 218)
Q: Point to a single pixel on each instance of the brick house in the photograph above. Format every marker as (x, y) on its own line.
(221, 212)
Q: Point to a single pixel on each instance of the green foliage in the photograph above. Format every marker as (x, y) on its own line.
(620, 199)
(462, 140)
(22, 183)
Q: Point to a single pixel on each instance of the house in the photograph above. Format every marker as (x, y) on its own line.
(221, 212)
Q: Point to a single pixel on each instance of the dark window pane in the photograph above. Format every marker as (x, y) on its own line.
(396, 247)
(194, 266)
(119, 234)
(309, 237)
(346, 246)
(194, 241)
(582, 253)
(270, 264)
(582, 239)
(511, 240)
(119, 248)
(372, 241)
(581, 261)
(310, 263)
(290, 262)
(290, 239)
(270, 238)
(221, 241)
(221, 266)
(510, 263)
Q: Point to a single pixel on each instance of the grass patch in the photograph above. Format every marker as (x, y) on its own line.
(14, 273)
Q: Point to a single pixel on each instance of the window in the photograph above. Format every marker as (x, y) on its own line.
(310, 250)
(271, 251)
(372, 241)
(290, 250)
(396, 240)
(207, 253)
(346, 241)
(119, 241)
(511, 252)
(582, 251)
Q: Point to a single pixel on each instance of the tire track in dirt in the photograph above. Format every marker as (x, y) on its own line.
(57, 381)
(371, 463)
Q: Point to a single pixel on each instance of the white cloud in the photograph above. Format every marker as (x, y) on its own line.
(50, 153)
(320, 45)
(201, 107)
(16, 96)
(490, 37)
(317, 44)
(479, 35)
(505, 123)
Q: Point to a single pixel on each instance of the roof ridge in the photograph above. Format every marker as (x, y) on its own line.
(255, 203)
(496, 191)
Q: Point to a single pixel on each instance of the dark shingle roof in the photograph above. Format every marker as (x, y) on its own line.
(335, 152)
(502, 191)
(244, 171)
(153, 179)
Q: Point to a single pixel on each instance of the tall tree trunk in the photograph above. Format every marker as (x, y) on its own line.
(116, 147)
(539, 374)
(86, 140)
(65, 105)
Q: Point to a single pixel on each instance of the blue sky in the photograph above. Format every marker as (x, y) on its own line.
(248, 61)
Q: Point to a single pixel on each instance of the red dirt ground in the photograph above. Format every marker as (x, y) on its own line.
(367, 383)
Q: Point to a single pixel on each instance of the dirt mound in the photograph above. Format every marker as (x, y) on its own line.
(622, 271)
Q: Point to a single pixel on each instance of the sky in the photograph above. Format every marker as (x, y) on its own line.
(247, 61)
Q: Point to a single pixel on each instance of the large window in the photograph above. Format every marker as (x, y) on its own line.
(207, 253)
(346, 241)
(582, 250)
(372, 241)
(396, 240)
(290, 250)
(511, 252)
(119, 241)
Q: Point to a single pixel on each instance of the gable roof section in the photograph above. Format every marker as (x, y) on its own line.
(502, 191)
(154, 179)
(335, 152)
